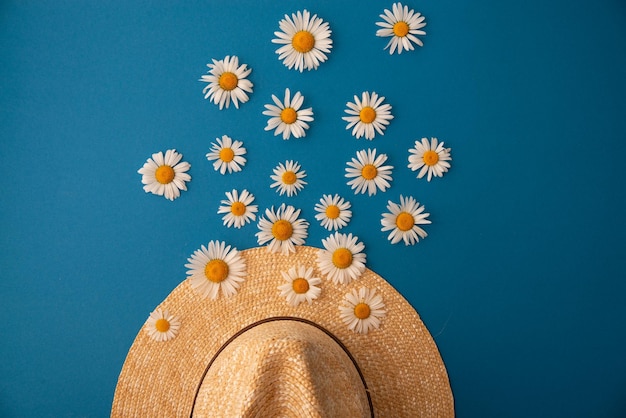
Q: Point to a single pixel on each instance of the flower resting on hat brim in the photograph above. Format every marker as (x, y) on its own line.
(362, 310)
(300, 285)
(161, 326)
(368, 172)
(288, 178)
(305, 41)
(282, 229)
(286, 117)
(403, 221)
(343, 259)
(368, 115)
(165, 175)
(227, 155)
(214, 269)
(403, 25)
(431, 157)
(334, 212)
(238, 208)
(227, 82)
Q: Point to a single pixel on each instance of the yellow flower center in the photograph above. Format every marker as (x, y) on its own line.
(237, 208)
(367, 114)
(228, 81)
(369, 172)
(362, 310)
(162, 325)
(164, 174)
(288, 115)
(300, 285)
(401, 29)
(227, 155)
(430, 158)
(282, 230)
(303, 41)
(405, 221)
(332, 212)
(289, 177)
(342, 258)
(216, 270)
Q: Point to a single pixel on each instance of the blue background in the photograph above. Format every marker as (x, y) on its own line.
(520, 281)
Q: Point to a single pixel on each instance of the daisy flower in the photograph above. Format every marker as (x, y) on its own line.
(227, 81)
(342, 260)
(305, 41)
(367, 115)
(165, 175)
(283, 229)
(362, 310)
(161, 326)
(301, 285)
(334, 212)
(288, 178)
(216, 268)
(368, 172)
(402, 25)
(403, 220)
(238, 209)
(287, 117)
(227, 154)
(431, 157)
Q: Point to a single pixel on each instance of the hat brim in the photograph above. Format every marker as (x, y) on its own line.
(400, 362)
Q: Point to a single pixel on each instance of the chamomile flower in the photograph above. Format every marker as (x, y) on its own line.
(238, 208)
(362, 310)
(300, 285)
(431, 157)
(282, 229)
(165, 175)
(403, 220)
(288, 178)
(216, 268)
(334, 212)
(368, 115)
(286, 117)
(161, 326)
(368, 172)
(227, 154)
(403, 25)
(342, 260)
(305, 41)
(227, 82)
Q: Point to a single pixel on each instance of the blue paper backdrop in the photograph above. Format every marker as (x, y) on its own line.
(520, 281)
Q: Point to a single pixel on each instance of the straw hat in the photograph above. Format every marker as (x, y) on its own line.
(253, 354)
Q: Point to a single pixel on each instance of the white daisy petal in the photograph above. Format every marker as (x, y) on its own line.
(333, 212)
(342, 260)
(287, 117)
(401, 25)
(215, 269)
(165, 175)
(403, 220)
(368, 115)
(237, 208)
(430, 157)
(227, 155)
(227, 82)
(300, 285)
(161, 326)
(305, 41)
(282, 229)
(362, 310)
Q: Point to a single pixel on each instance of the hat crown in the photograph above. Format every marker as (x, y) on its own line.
(283, 368)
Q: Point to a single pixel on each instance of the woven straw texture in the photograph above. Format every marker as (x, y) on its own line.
(401, 365)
